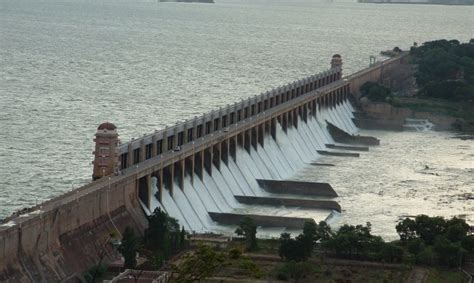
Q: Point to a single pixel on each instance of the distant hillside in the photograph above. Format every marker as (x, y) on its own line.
(189, 1)
(440, 2)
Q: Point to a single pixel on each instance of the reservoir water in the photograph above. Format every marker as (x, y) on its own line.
(67, 66)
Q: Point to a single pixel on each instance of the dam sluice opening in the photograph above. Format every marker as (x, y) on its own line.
(243, 175)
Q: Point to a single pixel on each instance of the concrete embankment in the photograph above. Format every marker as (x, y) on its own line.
(322, 164)
(344, 147)
(343, 137)
(60, 239)
(290, 202)
(297, 188)
(342, 154)
(260, 220)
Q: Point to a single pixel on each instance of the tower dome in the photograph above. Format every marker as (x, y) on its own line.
(107, 126)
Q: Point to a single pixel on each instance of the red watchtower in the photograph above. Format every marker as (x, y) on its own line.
(106, 159)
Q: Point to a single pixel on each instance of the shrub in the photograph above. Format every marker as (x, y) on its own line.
(235, 253)
(95, 273)
(294, 270)
(375, 92)
(251, 267)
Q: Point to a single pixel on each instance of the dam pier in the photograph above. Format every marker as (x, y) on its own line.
(208, 172)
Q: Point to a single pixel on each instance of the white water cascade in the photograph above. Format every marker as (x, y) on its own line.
(277, 159)
(417, 125)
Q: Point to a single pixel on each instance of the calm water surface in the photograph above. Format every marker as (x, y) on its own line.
(67, 66)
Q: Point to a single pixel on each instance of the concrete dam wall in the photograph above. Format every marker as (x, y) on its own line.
(203, 172)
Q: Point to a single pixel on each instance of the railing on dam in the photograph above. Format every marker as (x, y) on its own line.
(186, 150)
(160, 142)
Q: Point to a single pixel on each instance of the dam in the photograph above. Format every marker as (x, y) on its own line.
(208, 172)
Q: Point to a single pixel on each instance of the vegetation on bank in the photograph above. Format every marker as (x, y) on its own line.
(445, 70)
(162, 240)
(318, 254)
(313, 256)
(376, 92)
(444, 78)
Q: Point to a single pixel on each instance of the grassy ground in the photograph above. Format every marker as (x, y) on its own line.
(247, 268)
(265, 265)
(445, 276)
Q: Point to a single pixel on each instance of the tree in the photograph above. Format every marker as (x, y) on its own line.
(95, 273)
(129, 247)
(248, 230)
(468, 244)
(415, 246)
(163, 233)
(182, 238)
(432, 239)
(456, 229)
(293, 249)
(375, 92)
(406, 229)
(199, 265)
(445, 70)
(309, 236)
(323, 231)
(391, 253)
(449, 253)
(354, 242)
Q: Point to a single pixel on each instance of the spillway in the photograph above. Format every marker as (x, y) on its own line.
(277, 158)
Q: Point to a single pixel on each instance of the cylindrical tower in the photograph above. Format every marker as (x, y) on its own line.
(106, 159)
(336, 61)
(336, 64)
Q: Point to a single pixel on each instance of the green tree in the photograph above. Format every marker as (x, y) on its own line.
(309, 237)
(375, 92)
(406, 229)
(182, 238)
(323, 232)
(415, 246)
(354, 242)
(391, 253)
(248, 230)
(293, 249)
(95, 273)
(163, 233)
(468, 244)
(445, 70)
(199, 265)
(456, 229)
(427, 228)
(129, 247)
(449, 253)
(426, 257)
